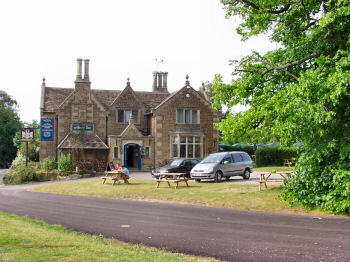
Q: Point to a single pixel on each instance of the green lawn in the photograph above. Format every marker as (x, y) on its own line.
(236, 196)
(269, 168)
(23, 239)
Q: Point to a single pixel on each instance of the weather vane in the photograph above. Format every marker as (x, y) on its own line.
(159, 61)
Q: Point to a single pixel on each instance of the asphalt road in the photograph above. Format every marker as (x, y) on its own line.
(222, 233)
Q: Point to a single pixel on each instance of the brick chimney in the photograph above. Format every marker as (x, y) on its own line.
(160, 82)
(83, 84)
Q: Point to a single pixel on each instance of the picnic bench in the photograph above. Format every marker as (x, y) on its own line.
(172, 177)
(115, 177)
(265, 177)
(290, 161)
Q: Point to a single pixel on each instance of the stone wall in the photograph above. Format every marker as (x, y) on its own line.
(165, 124)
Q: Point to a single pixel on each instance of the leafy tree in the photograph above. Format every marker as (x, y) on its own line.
(9, 125)
(298, 92)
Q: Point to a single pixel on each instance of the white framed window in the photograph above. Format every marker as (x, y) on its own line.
(187, 116)
(187, 146)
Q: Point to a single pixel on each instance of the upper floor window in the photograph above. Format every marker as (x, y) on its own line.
(124, 115)
(187, 116)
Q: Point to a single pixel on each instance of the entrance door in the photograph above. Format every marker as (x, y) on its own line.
(132, 156)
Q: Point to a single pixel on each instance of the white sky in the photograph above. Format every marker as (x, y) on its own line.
(121, 38)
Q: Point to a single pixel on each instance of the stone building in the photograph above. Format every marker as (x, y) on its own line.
(135, 128)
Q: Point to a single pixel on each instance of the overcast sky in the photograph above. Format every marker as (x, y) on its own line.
(121, 38)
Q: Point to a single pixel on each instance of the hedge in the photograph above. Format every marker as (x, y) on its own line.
(247, 149)
(274, 156)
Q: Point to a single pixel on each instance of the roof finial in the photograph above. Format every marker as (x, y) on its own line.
(131, 120)
(43, 84)
(187, 82)
(128, 81)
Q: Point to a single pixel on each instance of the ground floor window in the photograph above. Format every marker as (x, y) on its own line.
(187, 146)
(116, 152)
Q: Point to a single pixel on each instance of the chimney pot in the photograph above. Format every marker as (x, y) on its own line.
(86, 69)
(79, 62)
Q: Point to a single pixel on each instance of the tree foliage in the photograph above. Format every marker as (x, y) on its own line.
(298, 92)
(9, 125)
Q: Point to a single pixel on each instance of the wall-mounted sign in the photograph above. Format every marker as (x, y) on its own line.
(82, 127)
(47, 129)
(27, 134)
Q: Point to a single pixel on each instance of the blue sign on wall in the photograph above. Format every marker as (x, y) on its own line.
(82, 127)
(47, 129)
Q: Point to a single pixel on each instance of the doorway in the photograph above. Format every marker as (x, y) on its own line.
(132, 156)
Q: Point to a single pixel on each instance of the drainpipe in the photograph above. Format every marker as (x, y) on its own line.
(56, 130)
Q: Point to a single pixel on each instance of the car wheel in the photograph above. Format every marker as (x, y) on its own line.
(197, 180)
(217, 177)
(228, 178)
(246, 174)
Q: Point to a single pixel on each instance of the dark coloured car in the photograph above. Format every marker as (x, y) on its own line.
(182, 165)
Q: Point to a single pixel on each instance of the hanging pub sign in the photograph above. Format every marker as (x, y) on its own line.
(82, 127)
(27, 134)
(47, 129)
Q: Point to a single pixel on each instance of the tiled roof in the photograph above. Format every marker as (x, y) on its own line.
(55, 96)
(151, 99)
(84, 139)
(105, 97)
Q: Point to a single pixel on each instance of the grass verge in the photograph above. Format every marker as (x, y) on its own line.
(24, 239)
(224, 195)
(269, 168)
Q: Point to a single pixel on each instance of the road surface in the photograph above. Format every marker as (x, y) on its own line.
(215, 232)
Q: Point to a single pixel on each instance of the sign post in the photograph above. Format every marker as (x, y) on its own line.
(27, 135)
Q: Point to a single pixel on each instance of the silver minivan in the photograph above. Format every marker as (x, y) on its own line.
(224, 164)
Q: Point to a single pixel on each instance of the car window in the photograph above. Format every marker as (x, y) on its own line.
(246, 157)
(194, 162)
(228, 159)
(214, 158)
(176, 162)
(237, 158)
(187, 163)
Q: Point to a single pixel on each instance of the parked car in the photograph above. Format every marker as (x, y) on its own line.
(225, 164)
(182, 165)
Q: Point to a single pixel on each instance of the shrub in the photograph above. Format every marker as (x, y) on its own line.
(274, 156)
(19, 174)
(64, 164)
(48, 164)
(322, 180)
(19, 160)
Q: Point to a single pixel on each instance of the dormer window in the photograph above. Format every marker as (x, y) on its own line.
(123, 116)
(187, 116)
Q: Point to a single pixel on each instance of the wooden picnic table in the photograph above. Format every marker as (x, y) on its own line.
(172, 177)
(265, 177)
(290, 161)
(115, 177)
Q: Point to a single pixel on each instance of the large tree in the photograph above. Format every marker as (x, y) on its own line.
(9, 125)
(299, 91)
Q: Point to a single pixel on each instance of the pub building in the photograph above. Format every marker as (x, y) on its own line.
(137, 129)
